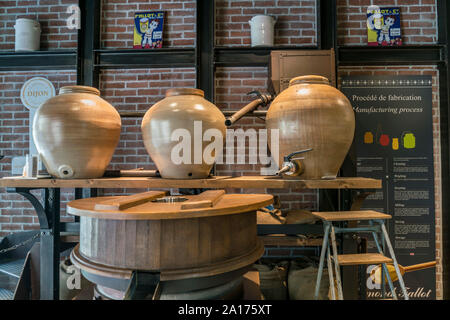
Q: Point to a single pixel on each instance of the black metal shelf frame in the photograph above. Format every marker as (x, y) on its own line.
(89, 59)
(405, 55)
(38, 60)
(128, 59)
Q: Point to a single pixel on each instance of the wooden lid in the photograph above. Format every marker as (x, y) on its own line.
(184, 92)
(310, 79)
(155, 205)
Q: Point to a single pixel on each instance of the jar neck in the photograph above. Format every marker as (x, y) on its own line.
(184, 92)
(79, 89)
(309, 80)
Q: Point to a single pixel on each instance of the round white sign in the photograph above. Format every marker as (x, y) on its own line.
(36, 91)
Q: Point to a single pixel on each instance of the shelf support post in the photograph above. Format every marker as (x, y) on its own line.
(88, 41)
(205, 47)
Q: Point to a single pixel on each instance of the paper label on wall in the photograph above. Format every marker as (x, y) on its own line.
(33, 94)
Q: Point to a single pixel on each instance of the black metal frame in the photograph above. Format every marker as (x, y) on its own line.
(49, 221)
(443, 11)
(89, 59)
(40, 60)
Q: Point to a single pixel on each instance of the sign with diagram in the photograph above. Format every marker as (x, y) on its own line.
(394, 143)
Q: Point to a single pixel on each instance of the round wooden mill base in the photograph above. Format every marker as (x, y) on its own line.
(231, 290)
(181, 237)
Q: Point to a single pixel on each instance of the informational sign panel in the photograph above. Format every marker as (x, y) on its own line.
(394, 143)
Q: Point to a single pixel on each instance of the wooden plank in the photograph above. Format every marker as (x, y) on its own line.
(221, 182)
(207, 199)
(122, 203)
(121, 182)
(362, 259)
(351, 215)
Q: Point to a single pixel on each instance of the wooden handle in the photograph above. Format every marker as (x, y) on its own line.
(250, 107)
(126, 202)
(207, 199)
(420, 266)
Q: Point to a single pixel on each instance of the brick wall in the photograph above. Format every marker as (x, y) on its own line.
(295, 26)
(419, 70)
(418, 20)
(51, 14)
(118, 22)
(16, 213)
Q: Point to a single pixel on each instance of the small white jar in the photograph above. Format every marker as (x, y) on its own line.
(28, 35)
(262, 30)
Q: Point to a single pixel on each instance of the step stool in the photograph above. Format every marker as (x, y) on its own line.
(376, 227)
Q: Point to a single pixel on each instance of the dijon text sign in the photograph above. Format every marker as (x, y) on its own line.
(33, 94)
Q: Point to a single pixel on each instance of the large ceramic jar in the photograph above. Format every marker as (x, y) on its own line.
(311, 113)
(76, 133)
(181, 120)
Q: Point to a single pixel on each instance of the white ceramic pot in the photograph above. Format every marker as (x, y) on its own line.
(262, 30)
(28, 35)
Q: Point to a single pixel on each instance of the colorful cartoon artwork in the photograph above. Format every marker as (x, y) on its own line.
(383, 26)
(148, 30)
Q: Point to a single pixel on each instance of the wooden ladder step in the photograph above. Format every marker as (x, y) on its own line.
(362, 258)
(351, 215)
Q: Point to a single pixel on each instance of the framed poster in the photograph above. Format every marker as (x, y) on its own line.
(148, 30)
(394, 143)
(383, 26)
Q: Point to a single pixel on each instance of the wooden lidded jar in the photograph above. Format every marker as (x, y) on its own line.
(76, 133)
(311, 113)
(182, 110)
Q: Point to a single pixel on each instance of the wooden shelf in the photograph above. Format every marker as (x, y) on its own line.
(220, 182)
(351, 215)
(362, 259)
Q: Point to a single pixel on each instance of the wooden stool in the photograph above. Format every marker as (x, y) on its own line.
(376, 227)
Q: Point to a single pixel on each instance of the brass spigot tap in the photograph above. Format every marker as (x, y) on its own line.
(292, 166)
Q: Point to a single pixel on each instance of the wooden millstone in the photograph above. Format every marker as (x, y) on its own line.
(208, 234)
